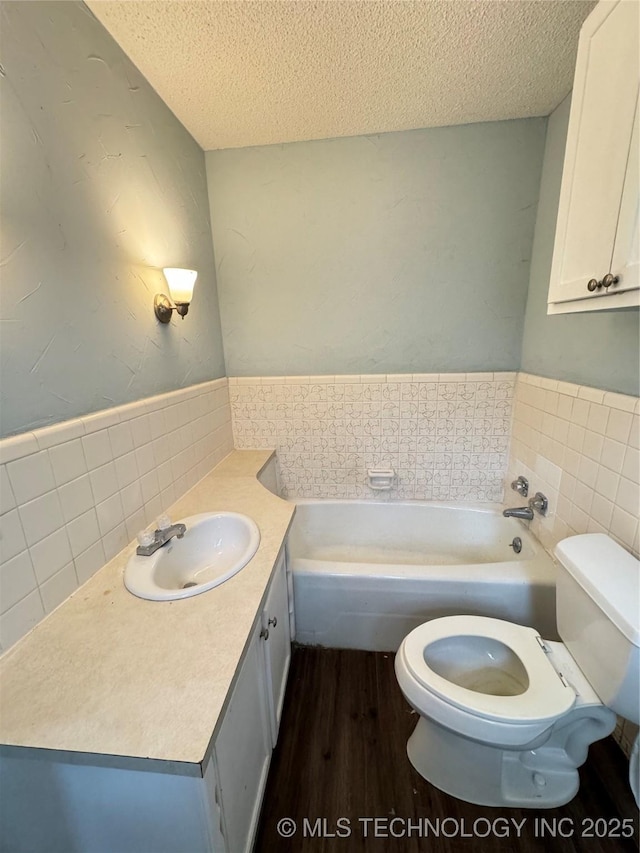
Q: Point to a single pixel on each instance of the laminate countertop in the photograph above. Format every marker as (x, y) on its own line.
(112, 679)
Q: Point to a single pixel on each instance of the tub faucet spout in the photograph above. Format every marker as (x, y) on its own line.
(524, 512)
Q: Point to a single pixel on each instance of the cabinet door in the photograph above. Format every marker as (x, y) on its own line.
(277, 644)
(243, 751)
(598, 151)
(626, 251)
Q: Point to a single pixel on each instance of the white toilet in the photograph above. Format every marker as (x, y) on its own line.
(506, 718)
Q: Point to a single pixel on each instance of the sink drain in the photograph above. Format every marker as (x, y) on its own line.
(188, 584)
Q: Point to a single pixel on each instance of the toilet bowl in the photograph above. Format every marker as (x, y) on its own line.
(506, 718)
(490, 694)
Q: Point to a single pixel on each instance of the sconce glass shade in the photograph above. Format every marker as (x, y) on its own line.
(181, 283)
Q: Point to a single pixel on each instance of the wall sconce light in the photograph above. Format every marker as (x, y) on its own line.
(181, 283)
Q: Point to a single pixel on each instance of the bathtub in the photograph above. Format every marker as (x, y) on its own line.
(367, 573)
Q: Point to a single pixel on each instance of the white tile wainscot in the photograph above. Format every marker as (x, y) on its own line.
(580, 446)
(445, 435)
(74, 494)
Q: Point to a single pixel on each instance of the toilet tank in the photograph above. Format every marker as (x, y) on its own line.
(598, 614)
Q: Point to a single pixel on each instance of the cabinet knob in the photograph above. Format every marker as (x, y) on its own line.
(264, 634)
(273, 621)
(593, 284)
(610, 279)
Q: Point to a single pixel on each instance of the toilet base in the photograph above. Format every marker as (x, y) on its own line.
(540, 778)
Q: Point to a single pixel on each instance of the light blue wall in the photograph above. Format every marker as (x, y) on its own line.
(101, 188)
(405, 252)
(599, 349)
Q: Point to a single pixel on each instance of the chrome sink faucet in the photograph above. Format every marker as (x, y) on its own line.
(149, 542)
(539, 503)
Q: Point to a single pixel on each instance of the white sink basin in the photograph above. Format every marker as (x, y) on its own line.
(214, 548)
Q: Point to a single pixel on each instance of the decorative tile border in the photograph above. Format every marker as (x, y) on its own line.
(74, 494)
(445, 435)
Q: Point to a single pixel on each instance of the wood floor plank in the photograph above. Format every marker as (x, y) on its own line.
(341, 756)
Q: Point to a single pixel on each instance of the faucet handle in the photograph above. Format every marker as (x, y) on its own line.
(539, 502)
(163, 522)
(521, 485)
(145, 538)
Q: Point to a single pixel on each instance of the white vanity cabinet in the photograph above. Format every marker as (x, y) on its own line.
(249, 729)
(243, 750)
(276, 633)
(595, 260)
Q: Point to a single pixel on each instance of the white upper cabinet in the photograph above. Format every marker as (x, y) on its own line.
(597, 229)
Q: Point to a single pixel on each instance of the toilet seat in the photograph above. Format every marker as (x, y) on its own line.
(546, 697)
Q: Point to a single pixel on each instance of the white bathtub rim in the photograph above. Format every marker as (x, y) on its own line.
(524, 571)
(491, 508)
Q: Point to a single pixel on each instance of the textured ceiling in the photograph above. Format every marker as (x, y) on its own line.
(254, 73)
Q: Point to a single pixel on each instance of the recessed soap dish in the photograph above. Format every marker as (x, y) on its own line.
(381, 479)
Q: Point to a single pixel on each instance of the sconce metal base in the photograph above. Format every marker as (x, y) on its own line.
(162, 307)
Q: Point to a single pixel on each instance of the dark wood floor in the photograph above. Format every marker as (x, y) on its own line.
(341, 754)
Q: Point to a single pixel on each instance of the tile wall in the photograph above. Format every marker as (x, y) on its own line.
(74, 494)
(445, 435)
(580, 447)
